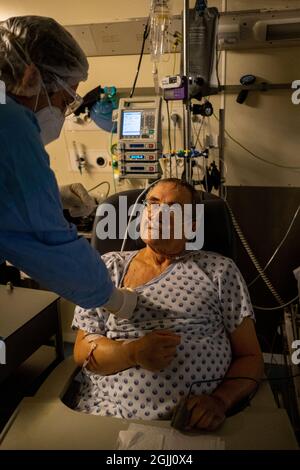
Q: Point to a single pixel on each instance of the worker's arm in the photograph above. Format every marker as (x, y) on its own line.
(153, 351)
(61, 262)
(208, 412)
(34, 235)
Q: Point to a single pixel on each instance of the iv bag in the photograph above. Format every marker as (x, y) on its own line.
(160, 20)
(203, 26)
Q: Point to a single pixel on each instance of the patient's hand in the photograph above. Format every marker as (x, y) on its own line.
(208, 412)
(155, 350)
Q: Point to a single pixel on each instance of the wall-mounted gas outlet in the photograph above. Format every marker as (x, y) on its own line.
(89, 160)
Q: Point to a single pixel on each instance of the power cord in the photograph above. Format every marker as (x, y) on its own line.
(100, 184)
(255, 155)
(145, 36)
(182, 415)
(278, 247)
(169, 138)
(253, 257)
(277, 308)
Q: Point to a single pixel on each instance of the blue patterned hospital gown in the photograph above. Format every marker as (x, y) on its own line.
(203, 297)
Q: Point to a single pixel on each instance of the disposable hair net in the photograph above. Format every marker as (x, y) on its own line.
(46, 47)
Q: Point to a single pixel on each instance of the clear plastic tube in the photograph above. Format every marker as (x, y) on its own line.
(160, 19)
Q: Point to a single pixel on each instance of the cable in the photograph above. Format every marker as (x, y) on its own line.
(132, 213)
(204, 168)
(278, 308)
(175, 146)
(198, 132)
(257, 382)
(100, 184)
(221, 379)
(253, 257)
(145, 36)
(169, 138)
(111, 155)
(218, 56)
(255, 155)
(174, 68)
(217, 65)
(169, 127)
(278, 248)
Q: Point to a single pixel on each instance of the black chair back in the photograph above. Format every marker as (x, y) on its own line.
(219, 234)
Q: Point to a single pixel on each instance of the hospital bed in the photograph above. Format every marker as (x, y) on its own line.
(46, 421)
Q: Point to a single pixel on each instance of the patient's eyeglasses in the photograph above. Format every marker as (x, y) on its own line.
(153, 205)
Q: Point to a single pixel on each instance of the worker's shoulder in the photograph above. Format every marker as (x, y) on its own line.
(16, 119)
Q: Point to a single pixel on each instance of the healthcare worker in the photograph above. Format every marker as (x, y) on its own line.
(41, 65)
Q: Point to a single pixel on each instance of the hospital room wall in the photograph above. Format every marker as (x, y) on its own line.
(267, 123)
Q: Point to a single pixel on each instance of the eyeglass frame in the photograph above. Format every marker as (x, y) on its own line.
(163, 205)
(70, 107)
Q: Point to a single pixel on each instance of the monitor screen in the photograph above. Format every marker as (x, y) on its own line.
(131, 123)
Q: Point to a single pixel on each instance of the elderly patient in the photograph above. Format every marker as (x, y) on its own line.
(193, 322)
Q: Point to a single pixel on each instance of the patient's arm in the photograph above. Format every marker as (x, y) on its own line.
(153, 351)
(108, 357)
(247, 362)
(208, 412)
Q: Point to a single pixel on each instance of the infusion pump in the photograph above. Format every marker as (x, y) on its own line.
(140, 137)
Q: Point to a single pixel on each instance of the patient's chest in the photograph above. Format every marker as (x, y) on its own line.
(138, 274)
(182, 299)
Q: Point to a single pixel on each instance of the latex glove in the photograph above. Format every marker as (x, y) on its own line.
(122, 302)
(77, 200)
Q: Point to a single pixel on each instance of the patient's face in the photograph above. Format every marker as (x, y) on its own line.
(162, 225)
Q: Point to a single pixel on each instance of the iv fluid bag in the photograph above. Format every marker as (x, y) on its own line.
(203, 51)
(160, 20)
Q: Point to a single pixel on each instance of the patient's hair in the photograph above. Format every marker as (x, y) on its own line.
(195, 195)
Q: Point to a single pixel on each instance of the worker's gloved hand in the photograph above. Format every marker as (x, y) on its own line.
(77, 200)
(122, 303)
(155, 350)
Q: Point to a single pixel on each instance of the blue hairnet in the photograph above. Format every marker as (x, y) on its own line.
(44, 45)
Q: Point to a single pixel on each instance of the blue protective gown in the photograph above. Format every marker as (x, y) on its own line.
(34, 235)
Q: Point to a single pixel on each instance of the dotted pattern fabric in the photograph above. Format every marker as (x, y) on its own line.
(203, 297)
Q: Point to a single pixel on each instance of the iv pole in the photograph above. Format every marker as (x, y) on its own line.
(187, 103)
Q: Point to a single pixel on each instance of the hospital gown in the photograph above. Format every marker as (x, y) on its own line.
(34, 235)
(202, 297)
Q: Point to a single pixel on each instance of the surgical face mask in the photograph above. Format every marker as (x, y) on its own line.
(51, 121)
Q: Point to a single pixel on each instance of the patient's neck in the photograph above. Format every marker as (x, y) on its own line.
(157, 259)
